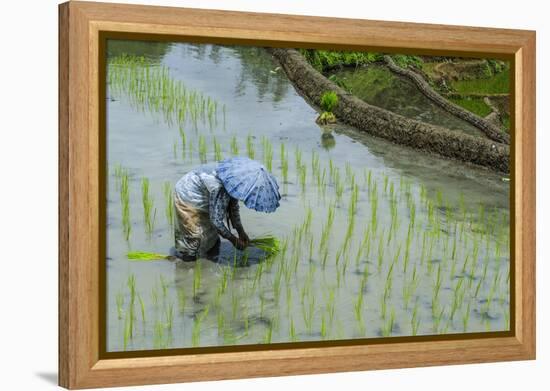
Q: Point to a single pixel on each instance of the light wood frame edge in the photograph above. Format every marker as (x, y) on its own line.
(79, 24)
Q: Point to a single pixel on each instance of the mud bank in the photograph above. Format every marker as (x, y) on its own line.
(492, 131)
(391, 126)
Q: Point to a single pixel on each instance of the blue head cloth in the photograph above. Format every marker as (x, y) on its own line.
(250, 182)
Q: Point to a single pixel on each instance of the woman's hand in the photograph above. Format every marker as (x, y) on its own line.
(244, 237)
(239, 243)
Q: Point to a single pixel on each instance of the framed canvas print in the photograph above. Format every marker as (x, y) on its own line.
(257, 195)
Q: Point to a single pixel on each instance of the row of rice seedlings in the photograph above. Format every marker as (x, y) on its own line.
(301, 234)
(149, 210)
(150, 87)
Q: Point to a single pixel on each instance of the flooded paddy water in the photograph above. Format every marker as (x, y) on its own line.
(377, 240)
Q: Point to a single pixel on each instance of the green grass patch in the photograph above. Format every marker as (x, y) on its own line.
(474, 105)
(327, 59)
(404, 61)
(498, 84)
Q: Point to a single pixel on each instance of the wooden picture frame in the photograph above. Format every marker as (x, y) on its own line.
(81, 151)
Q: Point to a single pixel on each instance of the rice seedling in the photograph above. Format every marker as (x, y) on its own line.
(315, 163)
(374, 213)
(234, 146)
(217, 150)
(415, 320)
(169, 316)
(323, 327)
(338, 188)
(267, 153)
(125, 202)
(154, 296)
(145, 256)
(491, 293)
(163, 286)
(196, 279)
(268, 244)
(437, 320)
(183, 139)
(466, 317)
(159, 341)
(268, 333)
(292, 331)
(149, 212)
(308, 311)
(437, 285)
(168, 203)
(119, 299)
(190, 150)
(202, 149)
(142, 307)
(458, 297)
(131, 307)
(409, 288)
(298, 158)
(127, 331)
(358, 307)
(302, 172)
(387, 328)
(250, 147)
(196, 334)
(284, 165)
(284, 173)
(381, 248)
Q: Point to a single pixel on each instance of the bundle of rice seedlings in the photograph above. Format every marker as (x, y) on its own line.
(268, 244)
(145, 256)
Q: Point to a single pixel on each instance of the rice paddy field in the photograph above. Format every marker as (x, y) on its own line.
(376, 240)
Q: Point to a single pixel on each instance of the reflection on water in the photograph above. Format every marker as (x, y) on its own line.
(377, 85)
(432, 256)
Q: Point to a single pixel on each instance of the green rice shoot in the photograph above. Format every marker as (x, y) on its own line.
(145, 256)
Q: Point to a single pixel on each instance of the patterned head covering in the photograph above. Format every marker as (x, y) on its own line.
(249, 181)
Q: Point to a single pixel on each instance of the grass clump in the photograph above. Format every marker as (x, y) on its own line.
(324, 60)
(329, 101)
(404, 61)
(474, 105)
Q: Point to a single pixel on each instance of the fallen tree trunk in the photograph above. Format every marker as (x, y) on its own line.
(391, 126)
(493, 132)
